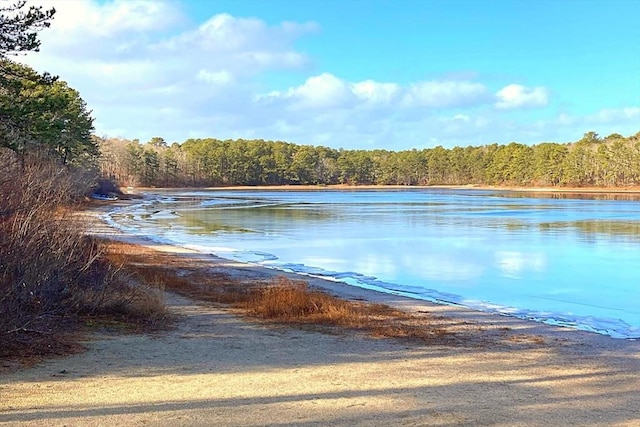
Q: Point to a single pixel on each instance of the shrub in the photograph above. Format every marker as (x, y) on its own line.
(50, 271)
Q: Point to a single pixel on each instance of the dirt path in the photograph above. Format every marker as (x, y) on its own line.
(215, 368)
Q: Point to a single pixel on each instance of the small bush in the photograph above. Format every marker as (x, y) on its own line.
(292, 301)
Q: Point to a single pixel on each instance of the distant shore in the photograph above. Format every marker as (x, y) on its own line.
(576, 190)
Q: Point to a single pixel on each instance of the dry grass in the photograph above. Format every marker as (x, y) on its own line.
(280, 300)
(291, 301)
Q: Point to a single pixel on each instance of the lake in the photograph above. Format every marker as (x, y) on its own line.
(561, 259)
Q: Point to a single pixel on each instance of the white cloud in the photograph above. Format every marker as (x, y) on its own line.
(615, 115)
(215, 77)
(626, 116)
(518, 96)
(138, 57)
(375, 92)
(248, 44)
(566, 127)
(329, 91)
(447, 93)
(125, 73)
(122, 33)
(146, 71)
(323, 91)
(90, 18)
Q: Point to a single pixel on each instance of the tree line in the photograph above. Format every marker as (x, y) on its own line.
(612, 161)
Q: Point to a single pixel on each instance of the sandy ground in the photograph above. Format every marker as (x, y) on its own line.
(215, 368)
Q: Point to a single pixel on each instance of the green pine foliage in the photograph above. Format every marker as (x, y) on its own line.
(592, 161)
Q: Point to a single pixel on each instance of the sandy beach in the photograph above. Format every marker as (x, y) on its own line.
(215, 367)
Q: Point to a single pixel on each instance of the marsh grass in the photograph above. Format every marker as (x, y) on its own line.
(293, 302)
(279, 300)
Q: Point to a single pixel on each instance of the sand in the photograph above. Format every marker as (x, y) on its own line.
(216, 368)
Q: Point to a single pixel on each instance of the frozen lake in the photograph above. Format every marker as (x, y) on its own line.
(553, 258)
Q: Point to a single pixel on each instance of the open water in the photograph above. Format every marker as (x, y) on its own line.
(555, 258)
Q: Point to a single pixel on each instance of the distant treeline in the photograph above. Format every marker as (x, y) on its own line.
(592, 161)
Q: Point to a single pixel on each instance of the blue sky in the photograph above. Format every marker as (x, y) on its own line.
(351, 73)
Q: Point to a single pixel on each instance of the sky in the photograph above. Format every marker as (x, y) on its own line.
(352, 74)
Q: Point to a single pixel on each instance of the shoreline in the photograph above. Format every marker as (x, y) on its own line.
(489, 319)
(217, 367)
(382, 294)
(575, 190)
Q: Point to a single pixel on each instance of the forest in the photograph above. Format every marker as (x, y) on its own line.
(592, 161)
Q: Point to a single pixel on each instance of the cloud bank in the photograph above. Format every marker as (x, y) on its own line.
(147, 70)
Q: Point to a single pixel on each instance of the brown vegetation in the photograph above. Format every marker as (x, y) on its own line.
(51, 274)
(280, 300)
(288, 301)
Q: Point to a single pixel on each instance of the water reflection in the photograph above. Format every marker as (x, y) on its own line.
(565, 195)
(514, 264)
(563, 257)
(590, 229)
